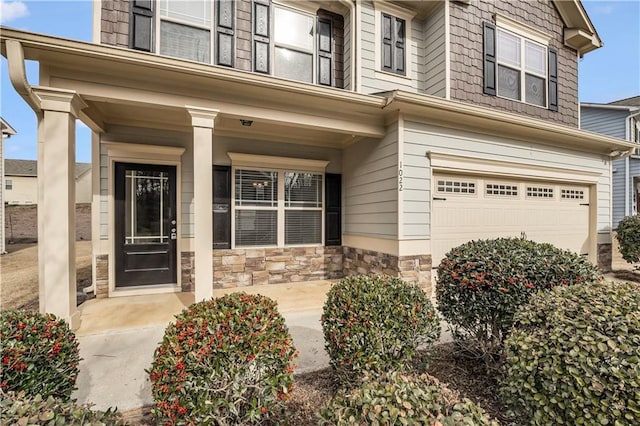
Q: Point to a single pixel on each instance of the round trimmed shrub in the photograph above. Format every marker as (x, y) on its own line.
(375, 324)
(628, 235)
(573, 356)
(39, 354)
(397, 399)
(482, 283)
(18, 409)
(224, 361)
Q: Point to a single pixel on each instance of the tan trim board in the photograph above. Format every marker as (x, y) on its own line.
(251, 160)
(370, 243)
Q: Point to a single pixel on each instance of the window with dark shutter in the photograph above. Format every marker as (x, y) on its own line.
(221, 207)
(553, 80)
(261, 34)
(333, 210)
(393, 44)
(489, 52)
(141, 27)
(225, 24)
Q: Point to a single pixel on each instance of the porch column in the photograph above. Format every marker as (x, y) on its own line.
(203, 121)
(57, 202)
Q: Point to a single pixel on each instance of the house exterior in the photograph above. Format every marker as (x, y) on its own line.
(250, 142)
(7, 132)
(21, 182)
(620, 119)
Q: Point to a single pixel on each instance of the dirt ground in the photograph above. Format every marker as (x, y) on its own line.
(19, 274)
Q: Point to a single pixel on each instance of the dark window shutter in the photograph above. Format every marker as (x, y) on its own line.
(387, 42)
(399, 34)
(333, 209)
(489, 51)
(225, 30)
(221, 207)
(325, 52)
(261, 35)
(141, 27)
(553, 80)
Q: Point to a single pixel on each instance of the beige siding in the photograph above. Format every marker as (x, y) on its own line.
(435, 47)
(24, 191)
(371, 187)
(421, 138)
(83, 188)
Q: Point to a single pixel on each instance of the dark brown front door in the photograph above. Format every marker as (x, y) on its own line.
(145, 224)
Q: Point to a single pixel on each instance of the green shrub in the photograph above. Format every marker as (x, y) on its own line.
(482, 283)
(573, 356)
(224, 361)
(397, 399)
(628, 235)
(39, 354)
(375, 323)
(18, 409)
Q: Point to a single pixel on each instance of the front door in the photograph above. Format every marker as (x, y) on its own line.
(145, 224)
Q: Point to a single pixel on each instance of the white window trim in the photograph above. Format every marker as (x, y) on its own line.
(281, 165)
(408, 16)
(212, 36)
(522, 69)
(522, 30)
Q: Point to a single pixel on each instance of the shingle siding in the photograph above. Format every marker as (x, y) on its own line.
(243, 35)
(114, 24)
(467, 62)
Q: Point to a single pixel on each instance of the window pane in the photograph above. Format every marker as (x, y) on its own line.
(535, 58)
(508, 83)
(399, 30)
(195, 11)
(293, 29)
(508, 48)
(303, 227)
(293, 65)
(256, 188)
(256, 227)
(183, 41)
(535, 90)
(303, 190)
(146, 207)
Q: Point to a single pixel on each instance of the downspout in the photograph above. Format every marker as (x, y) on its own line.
(18, 75)
(627, 172)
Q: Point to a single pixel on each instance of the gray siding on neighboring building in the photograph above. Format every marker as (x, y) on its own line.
(435, 53)
(606, 121)
(420, 138)
(467, 55)
(370, 183)
(618, 179)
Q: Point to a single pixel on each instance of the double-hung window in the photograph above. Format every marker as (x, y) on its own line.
(8, 184)
(294, 43)
(522, 69)
(277, 207)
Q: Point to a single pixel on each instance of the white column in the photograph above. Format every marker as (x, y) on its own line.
(203, 121)
(57, 202)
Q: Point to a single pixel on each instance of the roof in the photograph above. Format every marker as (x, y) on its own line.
(29, 168)
(6, 128)
(633, 101)
(627, 104)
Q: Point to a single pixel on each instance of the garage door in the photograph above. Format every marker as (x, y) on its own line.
(469, 208)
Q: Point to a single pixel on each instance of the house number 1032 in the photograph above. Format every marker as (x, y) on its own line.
(400, 178)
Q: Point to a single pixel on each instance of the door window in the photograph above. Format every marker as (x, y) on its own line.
(147, 207)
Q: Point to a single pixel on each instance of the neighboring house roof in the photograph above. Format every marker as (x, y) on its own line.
(6, 128)
(628, 104)
(633, 101)
(29, 168)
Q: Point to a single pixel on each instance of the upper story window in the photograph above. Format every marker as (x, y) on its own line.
(393, 50)
(519, 65)
(294, 36)
(8, 184)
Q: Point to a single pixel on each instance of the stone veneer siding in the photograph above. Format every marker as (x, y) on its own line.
(114, 24)
(605, 257)
(413, 269)
(102, 276)
(246, 267)
(187, 271)
(467, 61)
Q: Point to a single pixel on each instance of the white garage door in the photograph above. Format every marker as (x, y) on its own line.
(469, 208)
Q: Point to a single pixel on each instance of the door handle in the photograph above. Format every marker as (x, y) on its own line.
(439, 199)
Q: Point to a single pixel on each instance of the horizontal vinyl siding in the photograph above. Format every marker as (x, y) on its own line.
(370, 187)
(605, 121)
(372, 83)
(435, 50)
(420, 138)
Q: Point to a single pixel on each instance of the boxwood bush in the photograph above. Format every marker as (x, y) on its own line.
(17, 410)
(482, 283)
(375, 323)
(224, 361)
(39, 354)
(396, 399)
(628, 235)
(573, 356)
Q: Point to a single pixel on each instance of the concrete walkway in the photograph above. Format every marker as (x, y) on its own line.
(118, 336)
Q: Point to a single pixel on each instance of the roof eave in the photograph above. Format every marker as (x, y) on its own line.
(579, 32)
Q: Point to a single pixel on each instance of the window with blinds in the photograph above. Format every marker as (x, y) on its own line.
(256, 208)
(303, 208)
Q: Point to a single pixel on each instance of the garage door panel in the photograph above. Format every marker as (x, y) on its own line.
(541, 211)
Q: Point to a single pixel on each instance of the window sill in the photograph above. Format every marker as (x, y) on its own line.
(524, 103)
(393, 78)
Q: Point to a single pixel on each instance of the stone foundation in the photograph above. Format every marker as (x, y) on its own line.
(413, 269)
(247, 267)
(102, 276)
(187, 271)
(605, 256)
